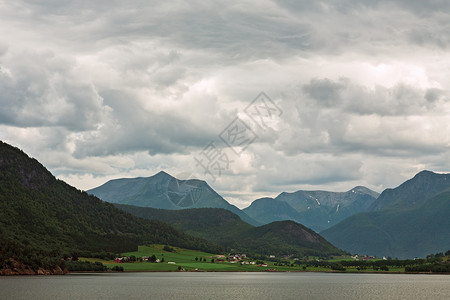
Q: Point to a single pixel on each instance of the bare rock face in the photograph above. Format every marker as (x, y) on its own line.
(18, 268)
(40, 272)
(7, 272)
(59, 271)
(27, 272)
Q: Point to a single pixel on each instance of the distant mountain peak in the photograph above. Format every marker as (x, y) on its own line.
(162, 174)
(316, 209)
(428, 174)
(164, 191)
(364, 190)
(408, 221)
(425, 173)
(359, 188)
(413, 192)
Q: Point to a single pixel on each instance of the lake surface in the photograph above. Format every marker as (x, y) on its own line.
(226, 286)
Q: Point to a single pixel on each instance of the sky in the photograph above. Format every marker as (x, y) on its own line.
(255, 97)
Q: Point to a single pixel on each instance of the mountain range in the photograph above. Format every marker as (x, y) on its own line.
(165, 192)
(43, 219)
(317, 210)
(359, 220)
(413, 192)
(40, 214)
(411, 220)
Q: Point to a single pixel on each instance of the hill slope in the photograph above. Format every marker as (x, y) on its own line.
(284, 237)
(44, 214)
(215, 224)
(165, 192)
(226, 228)
(396, 230)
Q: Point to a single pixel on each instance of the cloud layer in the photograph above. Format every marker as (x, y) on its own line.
(111, 89)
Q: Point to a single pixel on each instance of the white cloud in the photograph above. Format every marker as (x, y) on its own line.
(97, 90)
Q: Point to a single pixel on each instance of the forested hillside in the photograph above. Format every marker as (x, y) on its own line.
(42, 217)
(223, 227)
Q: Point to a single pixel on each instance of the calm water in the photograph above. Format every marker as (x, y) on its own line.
(226, 286)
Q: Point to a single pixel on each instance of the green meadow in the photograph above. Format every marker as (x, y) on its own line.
(186, 259)
(180, 257)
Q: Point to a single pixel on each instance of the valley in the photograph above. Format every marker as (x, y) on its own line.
(45, 223)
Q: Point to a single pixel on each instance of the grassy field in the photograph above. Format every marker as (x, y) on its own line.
(186, 259)
(179, 257)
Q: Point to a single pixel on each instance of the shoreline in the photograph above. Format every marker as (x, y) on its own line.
(300, 271)
(97, 272)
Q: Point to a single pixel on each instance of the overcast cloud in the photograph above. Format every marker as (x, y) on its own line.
(112, 89)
